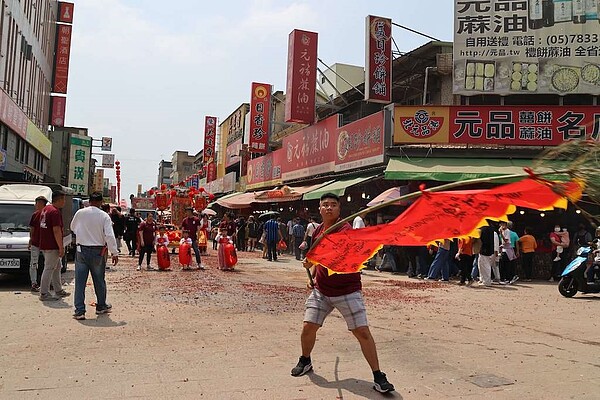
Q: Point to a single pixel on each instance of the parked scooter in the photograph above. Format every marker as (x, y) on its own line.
(573, 278)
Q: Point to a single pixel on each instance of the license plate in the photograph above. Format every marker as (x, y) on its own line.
(10, 263)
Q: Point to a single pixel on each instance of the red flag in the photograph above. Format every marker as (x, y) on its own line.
(436, 216)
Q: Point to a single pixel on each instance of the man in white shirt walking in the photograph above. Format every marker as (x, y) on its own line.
(94, 232)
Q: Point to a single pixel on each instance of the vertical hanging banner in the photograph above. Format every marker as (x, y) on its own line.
(65, 12)
(59, 107)
(210, 138)
(301, 77)
(260, 121)
(61, 60)
(211, 171)
(79, 163)
(378, 70)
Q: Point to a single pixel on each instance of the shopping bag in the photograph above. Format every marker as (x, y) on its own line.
(281, 245)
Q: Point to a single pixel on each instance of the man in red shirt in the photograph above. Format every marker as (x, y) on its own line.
(51, 245)
(191, 223)
(34, 242)
(146, 238)
(340, 291)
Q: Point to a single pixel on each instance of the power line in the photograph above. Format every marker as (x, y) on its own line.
(415, 31)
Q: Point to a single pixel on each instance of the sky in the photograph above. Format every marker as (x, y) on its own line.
(146, 72)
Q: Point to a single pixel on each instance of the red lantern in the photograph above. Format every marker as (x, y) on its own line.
(163, 187)
(211, 196)
(201, 189)
(151, 192)
(162, 201)
(173, 193)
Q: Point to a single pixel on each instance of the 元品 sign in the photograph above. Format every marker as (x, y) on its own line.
(260, 121)
(526, 46)
(498, 125)
(378, 70)
(79, 163)
(301, 77)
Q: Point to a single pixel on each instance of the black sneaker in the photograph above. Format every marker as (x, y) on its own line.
(79, 316)
(104, 310)
(382, 385)
(304, 365)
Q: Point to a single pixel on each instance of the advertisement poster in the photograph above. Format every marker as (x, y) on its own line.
(535, 46)
(497, 125)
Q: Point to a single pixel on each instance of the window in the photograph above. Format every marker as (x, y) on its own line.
(18, 149)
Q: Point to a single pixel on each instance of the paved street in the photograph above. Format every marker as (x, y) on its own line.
(220, 335)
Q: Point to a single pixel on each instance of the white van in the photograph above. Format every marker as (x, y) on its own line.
(16, 207)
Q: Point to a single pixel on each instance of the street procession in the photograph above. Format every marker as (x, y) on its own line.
(298, 199)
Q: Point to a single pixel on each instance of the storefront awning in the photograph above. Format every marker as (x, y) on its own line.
(287, 193)
(336, 187)
(454, 169)
(236, 200)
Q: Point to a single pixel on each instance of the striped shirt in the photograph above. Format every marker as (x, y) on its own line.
(272, 231)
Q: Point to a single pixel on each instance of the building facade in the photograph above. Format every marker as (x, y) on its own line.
(27, 42)
(165, 169)
(182, 166)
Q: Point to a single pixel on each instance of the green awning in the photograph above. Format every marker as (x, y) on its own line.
(456, 169)
(337, 187)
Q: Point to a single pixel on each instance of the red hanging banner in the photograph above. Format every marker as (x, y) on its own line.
(301, 77)
(260, 121)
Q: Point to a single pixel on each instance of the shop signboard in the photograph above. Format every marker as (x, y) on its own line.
(260, 121)
(79, 163)
(61, 60)
(378, 70)
(106, 144)
(526, 47)
(301, 77)
(266, 170)
(98, 180)
(211, 171)
(59, 108)
(65, 12)
(311, 150)
(11, 115)
(360, 143)
(38, 140)
(210, 136)
(496, 125)
(108, 160)
(232, 153)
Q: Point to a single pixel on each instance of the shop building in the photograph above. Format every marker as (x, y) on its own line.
(27, 43)
(165, 168)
